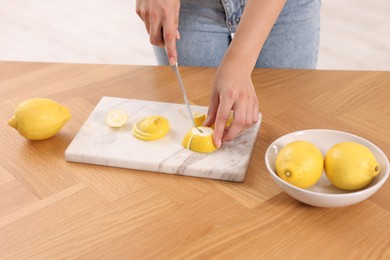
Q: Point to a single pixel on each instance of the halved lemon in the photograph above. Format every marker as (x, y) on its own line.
(116, 118)
(151, 128)
(199, 141)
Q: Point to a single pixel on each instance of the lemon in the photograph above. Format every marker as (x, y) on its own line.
(199, 139)
(350, 166)
(300, 163)
(199, 118)
(151, 128)
(39, 118)
(116, 118)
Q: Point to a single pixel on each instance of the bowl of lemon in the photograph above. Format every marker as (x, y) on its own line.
(327, 168)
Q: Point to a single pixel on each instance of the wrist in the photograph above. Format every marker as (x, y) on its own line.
(233, 61)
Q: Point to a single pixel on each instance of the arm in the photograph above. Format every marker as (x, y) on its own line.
(233, 87)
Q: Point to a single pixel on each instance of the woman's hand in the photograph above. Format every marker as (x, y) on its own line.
(233, 90)
(233, 87)
(161, 18)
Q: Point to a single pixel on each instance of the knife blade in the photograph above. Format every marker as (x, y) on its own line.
(175, 68)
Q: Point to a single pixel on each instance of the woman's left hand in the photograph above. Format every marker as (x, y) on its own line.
(233, 90)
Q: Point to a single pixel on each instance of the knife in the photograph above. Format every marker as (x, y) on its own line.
(175, 68)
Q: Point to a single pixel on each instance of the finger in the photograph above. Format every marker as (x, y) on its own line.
(212, 111)
(155, 32)
(177, 35)
(170, 45)
(220, 121)
(147, 26)
(238, 125)
(140, 9)
(255, 112)
(143, 13)
(176, 21)
(248, 117)
(170, 31)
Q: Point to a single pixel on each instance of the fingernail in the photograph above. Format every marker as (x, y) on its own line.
(218, 144)
(172, 61)
(177, 35)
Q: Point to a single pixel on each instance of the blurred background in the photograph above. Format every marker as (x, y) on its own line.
(355, 34)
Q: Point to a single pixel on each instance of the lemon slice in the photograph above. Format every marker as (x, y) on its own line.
(116, 118)
(151, 128)
(199, 118)
(199, 141)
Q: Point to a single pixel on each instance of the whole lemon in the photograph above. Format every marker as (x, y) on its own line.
(350, 166)
(39, 118)
(299, 163)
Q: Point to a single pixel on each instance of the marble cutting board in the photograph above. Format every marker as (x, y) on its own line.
(97, 143)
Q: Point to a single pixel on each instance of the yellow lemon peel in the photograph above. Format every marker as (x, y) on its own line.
(350, 166)
(299, 163)
(151, 128)
(199, 141)
(39, 118)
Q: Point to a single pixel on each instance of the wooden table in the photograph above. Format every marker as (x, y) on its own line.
(53, 209)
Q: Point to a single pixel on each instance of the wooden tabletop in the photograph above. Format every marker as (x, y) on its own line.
(53, 209)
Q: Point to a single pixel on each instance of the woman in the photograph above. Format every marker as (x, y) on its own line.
(235, 36)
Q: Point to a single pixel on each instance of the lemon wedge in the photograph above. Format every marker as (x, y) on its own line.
(151, 128)
(199, 141)
(116, 118)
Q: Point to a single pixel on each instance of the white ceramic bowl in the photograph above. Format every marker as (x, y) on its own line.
(323, 193)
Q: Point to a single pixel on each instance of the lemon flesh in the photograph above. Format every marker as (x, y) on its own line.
(350, 166)
(299, 163)
(199, 141)
(199, 118)
(116, 118)
(151, 128)
(39, 118)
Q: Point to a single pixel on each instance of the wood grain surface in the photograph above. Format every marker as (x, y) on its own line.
(53, 209)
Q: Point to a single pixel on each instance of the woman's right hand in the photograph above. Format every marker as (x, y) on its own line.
(161, 18)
